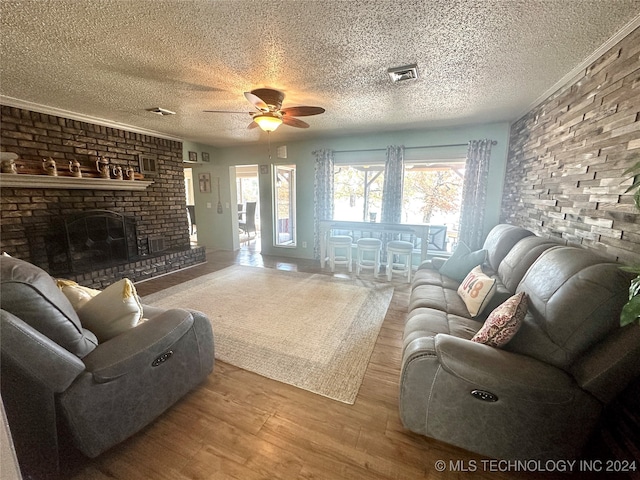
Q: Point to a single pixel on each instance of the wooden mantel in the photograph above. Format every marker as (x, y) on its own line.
(8, 180)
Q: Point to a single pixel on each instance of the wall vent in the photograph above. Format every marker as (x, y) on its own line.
(160, 111)
(157, 244)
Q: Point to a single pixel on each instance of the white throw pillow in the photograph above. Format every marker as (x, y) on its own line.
(476, 290)
(76, 294)
(113, 311)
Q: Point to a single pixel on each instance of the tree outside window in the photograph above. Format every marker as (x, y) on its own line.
(358, 192)
(432, 193)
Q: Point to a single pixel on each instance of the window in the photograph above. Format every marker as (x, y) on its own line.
(357, 192)
(433, 193)
(284, 199)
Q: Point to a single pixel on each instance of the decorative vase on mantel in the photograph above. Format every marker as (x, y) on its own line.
(102, 166)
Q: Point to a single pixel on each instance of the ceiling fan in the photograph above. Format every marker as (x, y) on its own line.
(269, 113)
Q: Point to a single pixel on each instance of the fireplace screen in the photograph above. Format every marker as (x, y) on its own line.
(91, 240)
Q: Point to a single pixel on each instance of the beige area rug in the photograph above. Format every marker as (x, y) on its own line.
(315, 332)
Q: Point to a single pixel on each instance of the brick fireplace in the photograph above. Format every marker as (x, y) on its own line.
(29, 213)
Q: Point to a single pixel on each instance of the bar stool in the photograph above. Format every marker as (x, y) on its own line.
(372, 245)
(404, 251)
(335, 244)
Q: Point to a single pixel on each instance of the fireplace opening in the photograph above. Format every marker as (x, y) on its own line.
(91, 240)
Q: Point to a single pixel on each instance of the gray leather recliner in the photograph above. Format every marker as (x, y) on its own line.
(55, 376)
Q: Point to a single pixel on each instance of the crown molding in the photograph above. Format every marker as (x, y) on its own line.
(564, 81)
(59, 112)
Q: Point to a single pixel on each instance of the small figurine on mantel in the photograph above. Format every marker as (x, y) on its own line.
(102, 166)
(74, 168)
(9, 166)
(49, 166)
(8, 162)
(129, 173)
(117, 172)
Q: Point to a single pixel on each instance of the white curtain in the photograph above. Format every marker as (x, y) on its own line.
(322, 193)
(474, 193)
(392, 186)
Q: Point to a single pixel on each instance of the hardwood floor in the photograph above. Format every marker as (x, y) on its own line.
(239, 425)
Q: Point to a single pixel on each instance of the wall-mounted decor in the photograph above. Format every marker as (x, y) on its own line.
(193, 156)
(204, 181)
(264, 169)
(205, 156)
(148, 164)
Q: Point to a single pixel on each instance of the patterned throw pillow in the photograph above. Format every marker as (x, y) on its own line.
(476, 290)
(504, 322)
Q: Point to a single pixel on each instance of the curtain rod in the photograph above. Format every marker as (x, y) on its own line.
(406, 148)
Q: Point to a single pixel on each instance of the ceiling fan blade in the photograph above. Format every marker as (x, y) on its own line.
(256, 101)
(294, 122)
(270, 97)
(302, 111)
(224, 111)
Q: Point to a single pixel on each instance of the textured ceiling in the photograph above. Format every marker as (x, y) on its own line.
(479, 61)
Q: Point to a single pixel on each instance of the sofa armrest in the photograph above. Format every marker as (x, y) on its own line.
(611, 365)
(137, 348)
(438, 262)
(503, 371)
(434, 263)
(43, 359)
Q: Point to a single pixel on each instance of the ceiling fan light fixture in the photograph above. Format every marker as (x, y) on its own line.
(268, 122)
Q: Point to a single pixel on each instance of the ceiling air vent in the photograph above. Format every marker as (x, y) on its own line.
(161, 111)
(400, 74)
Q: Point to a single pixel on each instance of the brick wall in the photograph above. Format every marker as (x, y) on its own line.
(159, 210)
(567, 155)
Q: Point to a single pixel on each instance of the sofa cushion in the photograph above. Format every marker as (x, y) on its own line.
(476, 290)
(462, 261)
(520, 258)
(575, 299)
(500, 241)
(433, 296)
(113, 311)
(503, 322)
(430, 276)
(429, 322)
(29, 293)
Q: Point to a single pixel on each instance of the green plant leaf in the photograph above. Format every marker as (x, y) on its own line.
(634, 288)
(636, 184)
(630, 170)
(631, 268)
(630, 312)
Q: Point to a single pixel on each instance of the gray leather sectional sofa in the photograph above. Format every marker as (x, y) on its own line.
(540, 395)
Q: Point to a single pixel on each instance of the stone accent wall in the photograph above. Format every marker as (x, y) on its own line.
(567, 157)
(160, 210)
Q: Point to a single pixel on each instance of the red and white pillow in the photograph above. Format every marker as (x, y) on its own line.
(504, 322)
(476, 290)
